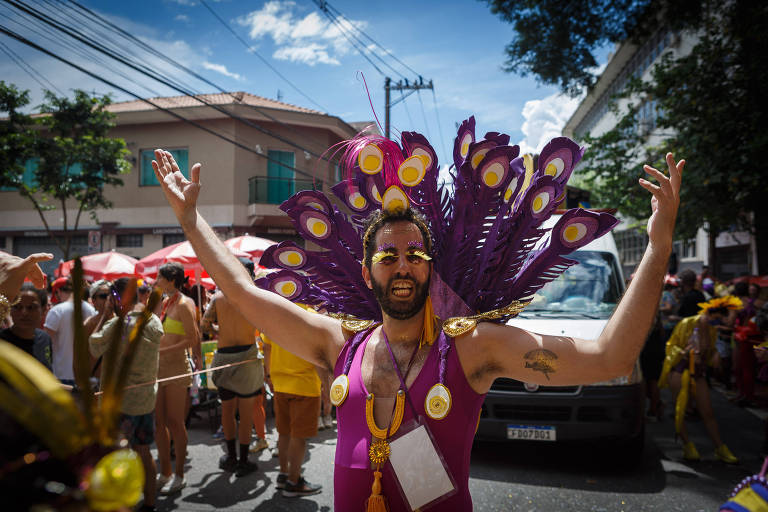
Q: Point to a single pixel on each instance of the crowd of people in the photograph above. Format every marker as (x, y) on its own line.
(706, 331)
(157, 403)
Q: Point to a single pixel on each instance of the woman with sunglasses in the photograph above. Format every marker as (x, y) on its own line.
(181, 334)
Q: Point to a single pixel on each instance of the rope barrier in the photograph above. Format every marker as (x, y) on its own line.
(184, 375)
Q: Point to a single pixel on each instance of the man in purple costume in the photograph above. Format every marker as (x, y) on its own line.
(477, 358)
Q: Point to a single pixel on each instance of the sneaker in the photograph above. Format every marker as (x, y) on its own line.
(281, 479)
(162, 480)
(320, 424)
(175, 485)
(245, 467)
(690, 452)
(227, 463)
(303, 488)
(328, 421)
(260, 444)
(724, 454)
(219, 433)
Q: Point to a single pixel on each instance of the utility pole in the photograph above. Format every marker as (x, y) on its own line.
(401, 85)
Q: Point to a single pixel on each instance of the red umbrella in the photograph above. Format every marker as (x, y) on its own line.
(104, 265)
(181, 252)
(253, 245)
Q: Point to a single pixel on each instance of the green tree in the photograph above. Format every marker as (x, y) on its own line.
(711, 103)
(73, 158)
(712, 106)
(557, 41)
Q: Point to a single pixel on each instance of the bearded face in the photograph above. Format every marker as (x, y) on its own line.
(401, 297)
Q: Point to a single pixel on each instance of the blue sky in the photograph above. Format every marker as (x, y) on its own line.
(457, 44)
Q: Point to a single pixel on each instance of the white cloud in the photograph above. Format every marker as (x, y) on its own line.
(310, 54)
(219, 68)
(544, 120)
(182, 17)
(309, 39)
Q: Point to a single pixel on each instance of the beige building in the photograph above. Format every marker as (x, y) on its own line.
(272, 151)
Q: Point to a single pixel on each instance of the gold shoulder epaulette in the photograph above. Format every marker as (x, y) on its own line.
(458, 325)
(356, 325)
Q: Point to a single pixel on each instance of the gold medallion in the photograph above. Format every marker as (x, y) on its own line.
(379, 452)
(437, 404)
(339, 390)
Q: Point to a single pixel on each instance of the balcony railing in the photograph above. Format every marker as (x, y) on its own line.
(271, 190)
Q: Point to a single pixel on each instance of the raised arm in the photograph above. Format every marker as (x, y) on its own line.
(315, 338)
(493, 351)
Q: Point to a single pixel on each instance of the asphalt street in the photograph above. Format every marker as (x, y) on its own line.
(519, 476)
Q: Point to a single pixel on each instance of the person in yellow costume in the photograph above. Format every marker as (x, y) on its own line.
(689, 350)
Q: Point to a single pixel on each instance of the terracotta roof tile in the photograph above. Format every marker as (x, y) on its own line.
(234, 98)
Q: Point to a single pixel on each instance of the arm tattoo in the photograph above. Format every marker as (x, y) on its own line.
(541, 360)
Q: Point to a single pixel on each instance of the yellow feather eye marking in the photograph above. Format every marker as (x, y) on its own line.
(380, 255)
(419, 254)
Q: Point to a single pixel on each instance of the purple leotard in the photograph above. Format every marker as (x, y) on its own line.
(453, 434)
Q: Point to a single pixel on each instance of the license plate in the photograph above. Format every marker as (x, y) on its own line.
(531, 432)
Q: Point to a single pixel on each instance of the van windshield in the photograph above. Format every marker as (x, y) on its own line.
(591, 288)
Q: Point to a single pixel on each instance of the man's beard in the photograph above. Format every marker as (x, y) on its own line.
(396, 309)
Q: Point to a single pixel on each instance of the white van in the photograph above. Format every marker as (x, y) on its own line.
(576, 304)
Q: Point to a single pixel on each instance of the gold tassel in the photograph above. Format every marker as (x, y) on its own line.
(376, 501)
(428, 332)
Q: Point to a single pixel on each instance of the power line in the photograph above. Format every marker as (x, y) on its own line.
(423, 114)
(254, 52)
(439, 126)
(156, 76)
(131, 38)
(338, 13)
(25, 66)
(34, 45)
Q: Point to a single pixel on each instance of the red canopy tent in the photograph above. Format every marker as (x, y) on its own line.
(181, 252)
(104, 265)
(253, 245)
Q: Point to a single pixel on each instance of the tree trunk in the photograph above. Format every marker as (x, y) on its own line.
(713, 270)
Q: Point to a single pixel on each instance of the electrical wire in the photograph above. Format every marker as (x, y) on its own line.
(262, 59)
(25, 66)
(131, 38)
(423, 114)
(92, 74)
(439, 126)
(155, 75)
(338, 13)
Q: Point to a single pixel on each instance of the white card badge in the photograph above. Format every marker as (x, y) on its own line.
(419, 468)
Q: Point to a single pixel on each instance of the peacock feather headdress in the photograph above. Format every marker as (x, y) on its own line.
(488, 246)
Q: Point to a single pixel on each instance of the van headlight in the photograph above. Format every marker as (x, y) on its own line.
(625, 380)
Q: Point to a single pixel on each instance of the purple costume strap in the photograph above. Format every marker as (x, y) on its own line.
(443, 348)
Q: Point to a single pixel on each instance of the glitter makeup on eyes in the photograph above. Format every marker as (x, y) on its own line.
(380, 255)
(385, 246)
(420, 254)
(416, 243)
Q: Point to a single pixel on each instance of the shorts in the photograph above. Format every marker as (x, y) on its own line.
(296, 415)
(138, 429)
(700, 371)
(723, 348)
(172, 365)
(227, 394)
(244, 380)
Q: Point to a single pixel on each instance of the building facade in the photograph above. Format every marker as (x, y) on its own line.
(736, 251)
(255, 153)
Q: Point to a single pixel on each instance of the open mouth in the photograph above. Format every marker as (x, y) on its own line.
(402, 288)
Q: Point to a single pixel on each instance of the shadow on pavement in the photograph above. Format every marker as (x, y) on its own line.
(568, 465)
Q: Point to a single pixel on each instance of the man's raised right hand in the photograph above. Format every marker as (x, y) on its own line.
(180, 192)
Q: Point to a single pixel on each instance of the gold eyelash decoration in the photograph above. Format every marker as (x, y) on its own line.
(421, 254)
(380, 255)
